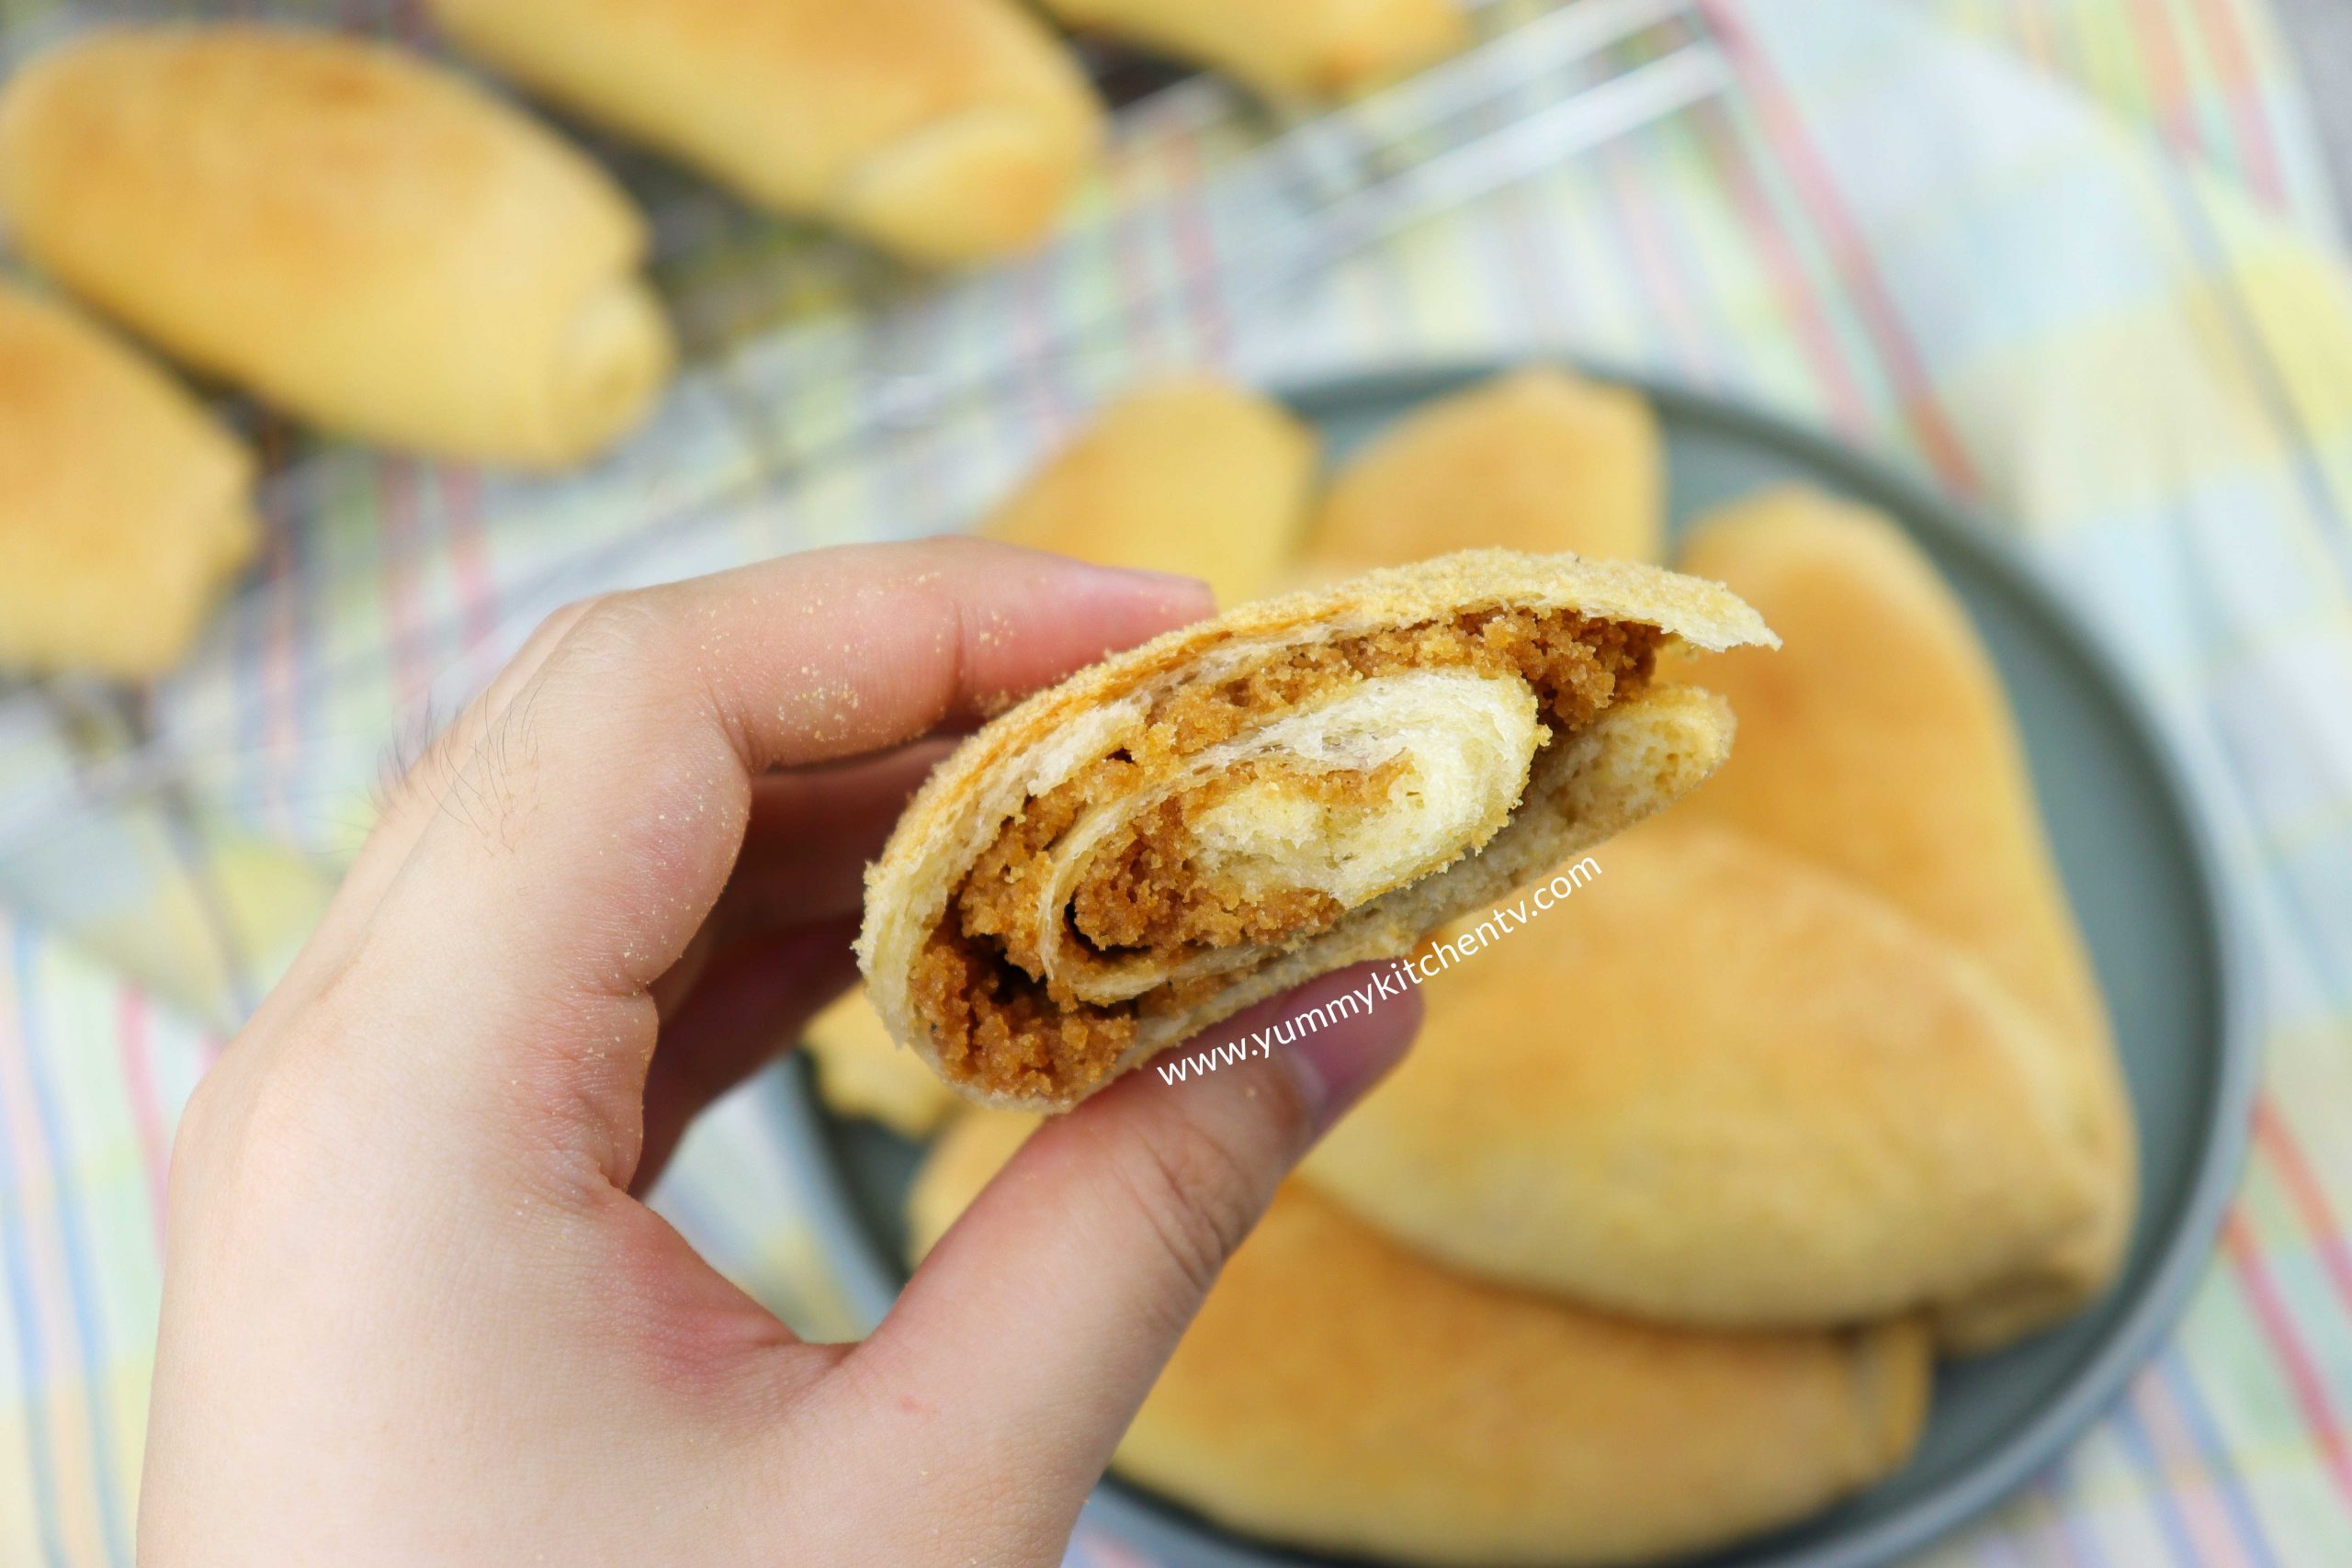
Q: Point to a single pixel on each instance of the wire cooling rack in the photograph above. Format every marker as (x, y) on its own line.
(816, 369)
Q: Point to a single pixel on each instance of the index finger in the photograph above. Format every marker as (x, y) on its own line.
(573, 852)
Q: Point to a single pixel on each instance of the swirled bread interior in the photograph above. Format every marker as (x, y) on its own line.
(1260, 799)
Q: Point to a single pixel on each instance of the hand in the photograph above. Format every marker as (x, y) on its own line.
(413, 1310)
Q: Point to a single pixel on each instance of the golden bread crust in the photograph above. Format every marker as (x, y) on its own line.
(949, 130)
(1339, 1393)
(1885, 751)
(362, 238)
(1718, 1086)
(123, 505)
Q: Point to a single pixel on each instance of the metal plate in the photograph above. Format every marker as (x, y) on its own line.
(2140, 869)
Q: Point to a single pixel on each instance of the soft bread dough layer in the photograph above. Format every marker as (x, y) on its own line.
(1338, 1392)
(1719, 1086)
(1404, 807)
(1245, 804)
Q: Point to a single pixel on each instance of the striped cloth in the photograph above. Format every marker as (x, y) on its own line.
(2071, 259)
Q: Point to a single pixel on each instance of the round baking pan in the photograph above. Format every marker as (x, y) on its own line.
(2138, 865)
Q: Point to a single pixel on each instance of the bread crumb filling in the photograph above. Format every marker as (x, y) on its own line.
(980, 985)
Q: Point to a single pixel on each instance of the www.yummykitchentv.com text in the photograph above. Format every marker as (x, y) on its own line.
(1399, 976)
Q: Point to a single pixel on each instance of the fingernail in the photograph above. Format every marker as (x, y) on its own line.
(1369, 1031)
(1165, 586)
(1145, 575)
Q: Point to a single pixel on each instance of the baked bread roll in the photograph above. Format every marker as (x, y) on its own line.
(1300, 784)
(860, 1071)
(976, 1144)
(1192, 475)
(1535, 461)
(1340, 1395)
(361, 238)
(945, 130)
(1311, 49)
(123, 507)
(1718, 1086)
(1881, 746)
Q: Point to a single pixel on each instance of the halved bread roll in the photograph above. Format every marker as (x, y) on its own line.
(1300, 784)
(1337, 1393)
(1715, 1085)
(1538, 460)
(1312, 48)
(360, 237)
(123, 506)
(1193, 476)
(948, 131)
(1881, 746)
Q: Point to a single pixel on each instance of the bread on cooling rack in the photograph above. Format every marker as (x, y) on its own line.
(945, 130)
(123, 506)
(361, 238)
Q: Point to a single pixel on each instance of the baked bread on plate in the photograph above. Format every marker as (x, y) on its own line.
(1719, 1086)
(1538, 459)
(1882, 749)
(1190, 475)
(860, 1071)
(1340, 1393)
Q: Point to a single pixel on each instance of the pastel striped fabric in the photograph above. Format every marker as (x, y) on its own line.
(2071, 259)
